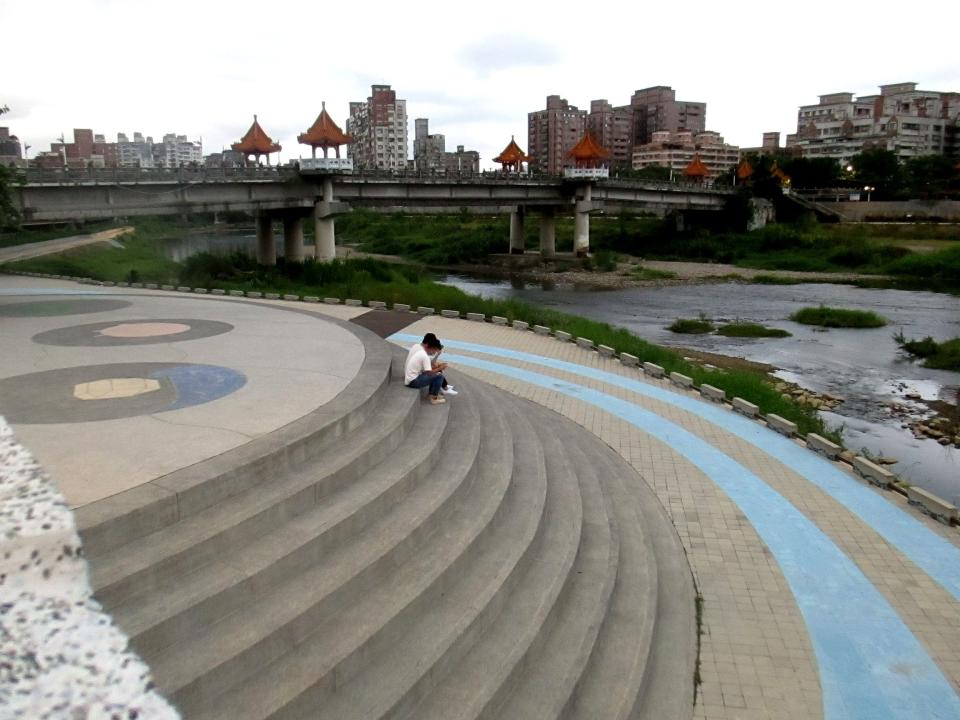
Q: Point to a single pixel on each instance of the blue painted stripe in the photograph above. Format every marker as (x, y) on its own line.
(935, 555)
(871, 666)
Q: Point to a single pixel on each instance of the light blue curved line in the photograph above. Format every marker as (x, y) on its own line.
(871, 666)
(933, 554)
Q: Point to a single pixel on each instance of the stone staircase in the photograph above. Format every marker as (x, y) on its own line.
(482, 559)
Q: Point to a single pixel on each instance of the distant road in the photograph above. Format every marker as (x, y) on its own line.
(50, 247)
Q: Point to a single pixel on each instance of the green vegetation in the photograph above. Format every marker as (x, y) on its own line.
(9, 213)
(645, 273)
(775, 280)
(691, 327)
(940, 355)
(838, 318)
(744, 329)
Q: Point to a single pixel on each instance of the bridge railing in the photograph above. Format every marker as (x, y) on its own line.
(202, 174)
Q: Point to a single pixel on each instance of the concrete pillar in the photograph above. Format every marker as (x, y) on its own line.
(517, 238)
(324, 232)
(548, 235)
(266, 247)
(293, 239)
(581, 227)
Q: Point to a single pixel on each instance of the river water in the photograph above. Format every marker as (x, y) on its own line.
(863, 366)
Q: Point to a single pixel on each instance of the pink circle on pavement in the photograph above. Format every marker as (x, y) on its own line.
(144, 329)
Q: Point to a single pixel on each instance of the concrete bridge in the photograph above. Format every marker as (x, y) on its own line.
(293, 196)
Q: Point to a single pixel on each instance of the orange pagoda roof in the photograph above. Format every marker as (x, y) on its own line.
(256, 141)
(588, 149)
(780, 174)
(696, 168)
(324, 132)
(512, 153)
(744, 170)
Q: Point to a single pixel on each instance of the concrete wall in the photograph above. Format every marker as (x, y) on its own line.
(897, 211)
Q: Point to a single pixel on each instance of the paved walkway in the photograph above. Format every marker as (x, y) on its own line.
(822, 596)
(51, 247)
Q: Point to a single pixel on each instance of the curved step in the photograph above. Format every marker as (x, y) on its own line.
(515, 606)
(201, 598)
(643, 661)
(148, 565)
(343, 634)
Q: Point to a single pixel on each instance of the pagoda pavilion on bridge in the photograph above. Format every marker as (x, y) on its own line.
(256, 142)
(696, 171)
(512, 157)
(588, 157)
(324, 133)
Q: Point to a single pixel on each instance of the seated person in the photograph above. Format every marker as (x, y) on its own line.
(419, 371)
(447, 388)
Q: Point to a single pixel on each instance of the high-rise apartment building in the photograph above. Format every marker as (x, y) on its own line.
(11, 153)
(675, 150)
(657, 108)
(379, 130)
(462, 162)
(134, 153)
(176, 150)
(612, 128)
(552, 132)
(902, 119)
(619, 129)
(86, 150)
(428, 150)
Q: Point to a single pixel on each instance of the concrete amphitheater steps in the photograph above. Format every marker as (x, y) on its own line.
(446, 581)
(147, 565)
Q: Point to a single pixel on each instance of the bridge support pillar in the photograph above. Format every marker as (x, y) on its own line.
(517, 238)
(548, 234)
(325, 247)
(293, 239)
(266, 246)
(581, 226)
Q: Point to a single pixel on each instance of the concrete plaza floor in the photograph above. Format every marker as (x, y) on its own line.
(63, 344)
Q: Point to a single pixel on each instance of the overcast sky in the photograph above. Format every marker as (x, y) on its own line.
(474, 69)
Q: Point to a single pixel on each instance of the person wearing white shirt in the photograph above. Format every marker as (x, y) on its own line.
(419, 371)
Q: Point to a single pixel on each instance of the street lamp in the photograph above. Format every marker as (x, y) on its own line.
(868, 189)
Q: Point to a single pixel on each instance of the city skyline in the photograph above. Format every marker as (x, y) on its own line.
(475, 81)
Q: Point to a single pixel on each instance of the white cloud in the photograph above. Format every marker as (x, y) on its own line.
(204, 68)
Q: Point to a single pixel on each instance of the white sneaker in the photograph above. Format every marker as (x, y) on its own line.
(448, 390)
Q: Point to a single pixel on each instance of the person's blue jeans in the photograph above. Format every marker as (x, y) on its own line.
(434, 381)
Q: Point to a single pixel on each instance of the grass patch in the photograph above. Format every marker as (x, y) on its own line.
(764, 279)
(838, 318)
(939, 355)
(748, 330)
(691, 327)
(645, 273)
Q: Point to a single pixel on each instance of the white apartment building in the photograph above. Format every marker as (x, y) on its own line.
(902, 119)
(675, 150)
(379, 130)
(176, 150)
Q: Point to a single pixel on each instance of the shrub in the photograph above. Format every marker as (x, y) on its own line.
(691, 327)
(838, 318)
(740, 329)
(941, 356)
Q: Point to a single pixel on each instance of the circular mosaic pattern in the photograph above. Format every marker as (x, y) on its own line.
(147, 329)
(54, 308)
(132, 332)
(117, 390)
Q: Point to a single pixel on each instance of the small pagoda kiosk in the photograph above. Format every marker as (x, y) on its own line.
(256, 142)
(588, 157)
(744, 172)
(324, 133)
(512, 157)
(696, 171)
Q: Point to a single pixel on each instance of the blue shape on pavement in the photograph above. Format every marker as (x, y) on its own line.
(871, 665)
(933, 554)
(197, 384)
